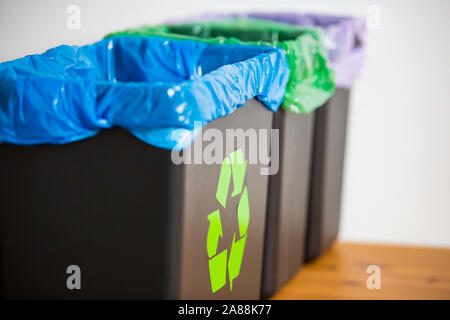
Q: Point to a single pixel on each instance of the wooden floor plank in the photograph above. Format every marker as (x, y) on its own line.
(406, 273)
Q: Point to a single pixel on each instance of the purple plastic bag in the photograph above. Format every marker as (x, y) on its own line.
(343, 38)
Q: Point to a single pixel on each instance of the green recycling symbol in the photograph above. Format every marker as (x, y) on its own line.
(232, 166)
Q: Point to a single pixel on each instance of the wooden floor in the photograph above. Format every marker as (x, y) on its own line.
(406, 273)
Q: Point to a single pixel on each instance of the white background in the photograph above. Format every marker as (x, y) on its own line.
(397, 178)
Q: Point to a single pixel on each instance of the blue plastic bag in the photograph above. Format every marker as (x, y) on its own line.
(151, 86)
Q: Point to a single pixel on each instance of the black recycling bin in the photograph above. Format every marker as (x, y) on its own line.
(135, 223)
(119, 215)
(310, 85)
(327, 174)
(288, 201)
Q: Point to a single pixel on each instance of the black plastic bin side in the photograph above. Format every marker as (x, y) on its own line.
(288, 201)
(134, 222)
(199, 200)
(327, 174)
(93, 203)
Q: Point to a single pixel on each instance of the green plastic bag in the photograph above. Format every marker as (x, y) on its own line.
(311, 82)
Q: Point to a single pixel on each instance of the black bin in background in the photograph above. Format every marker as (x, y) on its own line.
(327, 174)
(288, 198)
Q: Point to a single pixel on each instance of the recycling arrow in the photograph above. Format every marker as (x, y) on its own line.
(233, 167)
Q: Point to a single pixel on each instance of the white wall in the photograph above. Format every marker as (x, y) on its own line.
(397, 180)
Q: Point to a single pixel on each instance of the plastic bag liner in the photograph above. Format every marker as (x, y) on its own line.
(343, 37)
(156, 88)
(311, 83)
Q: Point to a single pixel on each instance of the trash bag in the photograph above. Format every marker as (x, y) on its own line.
(343, 37)
(311, 82)
(155, 88)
